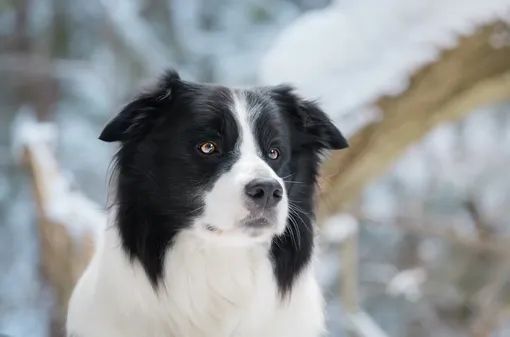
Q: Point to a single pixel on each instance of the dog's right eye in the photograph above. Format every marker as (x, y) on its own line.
(273, 154)
(208, 148)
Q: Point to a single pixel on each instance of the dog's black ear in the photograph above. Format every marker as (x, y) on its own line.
(137, 117)
(310, 118)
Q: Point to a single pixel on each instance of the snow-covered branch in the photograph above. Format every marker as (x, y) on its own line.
(68, 221)
(60, 202)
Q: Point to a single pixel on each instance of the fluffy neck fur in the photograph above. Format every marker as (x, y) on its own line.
(206, 286)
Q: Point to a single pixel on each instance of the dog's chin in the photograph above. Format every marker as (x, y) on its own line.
(246, 232)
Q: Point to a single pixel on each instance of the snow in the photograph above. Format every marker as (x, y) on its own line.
(353, 52)
(339, 227)
(364, 326)
(408, 284)
(71, 208)
(64, 205)
(26, 131)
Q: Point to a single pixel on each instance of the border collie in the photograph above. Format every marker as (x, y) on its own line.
(211, 232)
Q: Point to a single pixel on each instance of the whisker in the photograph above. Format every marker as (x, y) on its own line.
(296, 210)
(300, 210)
(288, 176)
(276, 240)
(293, 182)
(294, 231)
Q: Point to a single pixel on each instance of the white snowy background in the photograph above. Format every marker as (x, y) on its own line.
(344, 53)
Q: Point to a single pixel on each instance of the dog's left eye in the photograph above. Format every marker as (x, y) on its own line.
(273, 154)
(208, 148)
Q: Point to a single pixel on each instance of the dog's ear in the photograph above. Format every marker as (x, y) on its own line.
(137, 117)
(310, 118)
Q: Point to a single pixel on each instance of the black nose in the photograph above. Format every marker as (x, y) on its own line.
(264, 193)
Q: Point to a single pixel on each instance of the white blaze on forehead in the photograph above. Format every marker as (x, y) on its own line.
(251, 157)
(245, 118)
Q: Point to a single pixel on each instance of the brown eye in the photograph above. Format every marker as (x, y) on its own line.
(208, 148)
(273, 154)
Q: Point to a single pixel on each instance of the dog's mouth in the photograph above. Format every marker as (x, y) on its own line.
(258, 227)
(211, 228)
(251, 223)
(253, 226)
(257, 223)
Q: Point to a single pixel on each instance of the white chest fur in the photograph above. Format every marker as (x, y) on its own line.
(208, 291)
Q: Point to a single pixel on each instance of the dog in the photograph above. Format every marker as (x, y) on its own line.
(211, 230)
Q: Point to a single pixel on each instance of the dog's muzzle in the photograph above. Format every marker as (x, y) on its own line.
(262, 196)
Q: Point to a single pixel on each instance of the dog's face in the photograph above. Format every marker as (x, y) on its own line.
(243, 199)
(230, 165)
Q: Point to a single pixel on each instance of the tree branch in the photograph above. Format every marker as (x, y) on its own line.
(471, 75)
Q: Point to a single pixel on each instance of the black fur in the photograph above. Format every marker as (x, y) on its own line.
(311, 132)
(160, 172)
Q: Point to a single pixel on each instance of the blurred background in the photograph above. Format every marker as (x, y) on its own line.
(414, 217)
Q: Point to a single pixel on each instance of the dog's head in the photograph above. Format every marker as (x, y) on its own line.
(230, 165)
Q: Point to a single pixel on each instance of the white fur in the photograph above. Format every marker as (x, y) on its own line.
(210, 290)
(211, 287)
